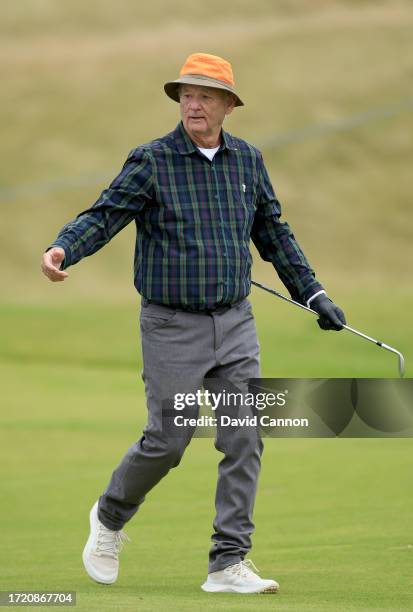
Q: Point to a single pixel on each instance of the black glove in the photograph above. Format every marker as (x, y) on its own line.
(331, 316)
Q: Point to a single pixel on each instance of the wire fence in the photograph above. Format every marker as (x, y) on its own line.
(293, 136)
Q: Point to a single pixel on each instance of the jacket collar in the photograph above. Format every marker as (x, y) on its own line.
(185, 145)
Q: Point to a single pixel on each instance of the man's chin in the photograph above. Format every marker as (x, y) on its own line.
(196, 128)
(197, 125)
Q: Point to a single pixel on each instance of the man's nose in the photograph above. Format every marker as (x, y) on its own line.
(195, 104)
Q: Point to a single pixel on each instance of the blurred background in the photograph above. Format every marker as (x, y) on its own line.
(328, 88)
(329, 100)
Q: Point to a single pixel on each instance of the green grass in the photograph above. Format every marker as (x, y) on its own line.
(83, 85)
(89, 336)
(332, 516)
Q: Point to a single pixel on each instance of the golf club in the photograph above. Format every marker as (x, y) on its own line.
(350, 329)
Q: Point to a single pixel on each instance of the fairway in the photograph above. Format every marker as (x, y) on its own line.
(329, 100)
(333, 520)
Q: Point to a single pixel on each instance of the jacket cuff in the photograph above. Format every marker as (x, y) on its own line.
(313, 288)
(66, 262)
(314, 296)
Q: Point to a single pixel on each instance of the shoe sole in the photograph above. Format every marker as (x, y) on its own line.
(226, 588)
(86, 551)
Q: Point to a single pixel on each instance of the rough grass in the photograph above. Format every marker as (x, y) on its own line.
(84, 86)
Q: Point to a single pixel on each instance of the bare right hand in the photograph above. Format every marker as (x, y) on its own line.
(51, 262)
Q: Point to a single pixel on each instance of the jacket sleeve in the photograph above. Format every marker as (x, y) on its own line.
(276, 243)
(117, 206)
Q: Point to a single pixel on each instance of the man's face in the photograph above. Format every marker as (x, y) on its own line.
(203, 109)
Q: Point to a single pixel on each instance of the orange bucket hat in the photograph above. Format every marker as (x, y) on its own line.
(207, 70)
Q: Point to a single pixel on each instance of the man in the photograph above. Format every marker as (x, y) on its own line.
(197, 196)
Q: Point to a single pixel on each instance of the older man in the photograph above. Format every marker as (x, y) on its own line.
(197, 196)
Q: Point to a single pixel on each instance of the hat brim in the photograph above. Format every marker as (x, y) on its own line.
(172, 87)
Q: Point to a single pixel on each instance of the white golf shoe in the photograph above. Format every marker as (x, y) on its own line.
(239, 578)
(100, 555)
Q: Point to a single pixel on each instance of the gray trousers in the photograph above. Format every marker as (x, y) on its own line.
(181, 351)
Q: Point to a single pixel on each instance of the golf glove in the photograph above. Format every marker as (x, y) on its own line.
(331, 316)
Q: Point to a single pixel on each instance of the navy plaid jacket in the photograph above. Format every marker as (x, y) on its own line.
(194, 222)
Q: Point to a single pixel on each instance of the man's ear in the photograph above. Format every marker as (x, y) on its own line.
(230, 103)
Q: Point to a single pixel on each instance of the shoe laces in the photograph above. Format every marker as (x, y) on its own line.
(244, 569)
(110, 543)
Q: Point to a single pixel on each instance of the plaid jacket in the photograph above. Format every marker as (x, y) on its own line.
(194, 221)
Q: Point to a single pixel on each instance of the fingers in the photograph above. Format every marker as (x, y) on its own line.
(334, 319)
(341, 315)
(337, 319)
(51, 262)
(324, 323)
(328, 324)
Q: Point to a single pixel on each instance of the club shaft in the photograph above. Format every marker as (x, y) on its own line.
(347, 327)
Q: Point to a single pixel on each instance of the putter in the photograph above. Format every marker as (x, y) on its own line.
(347, 327)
